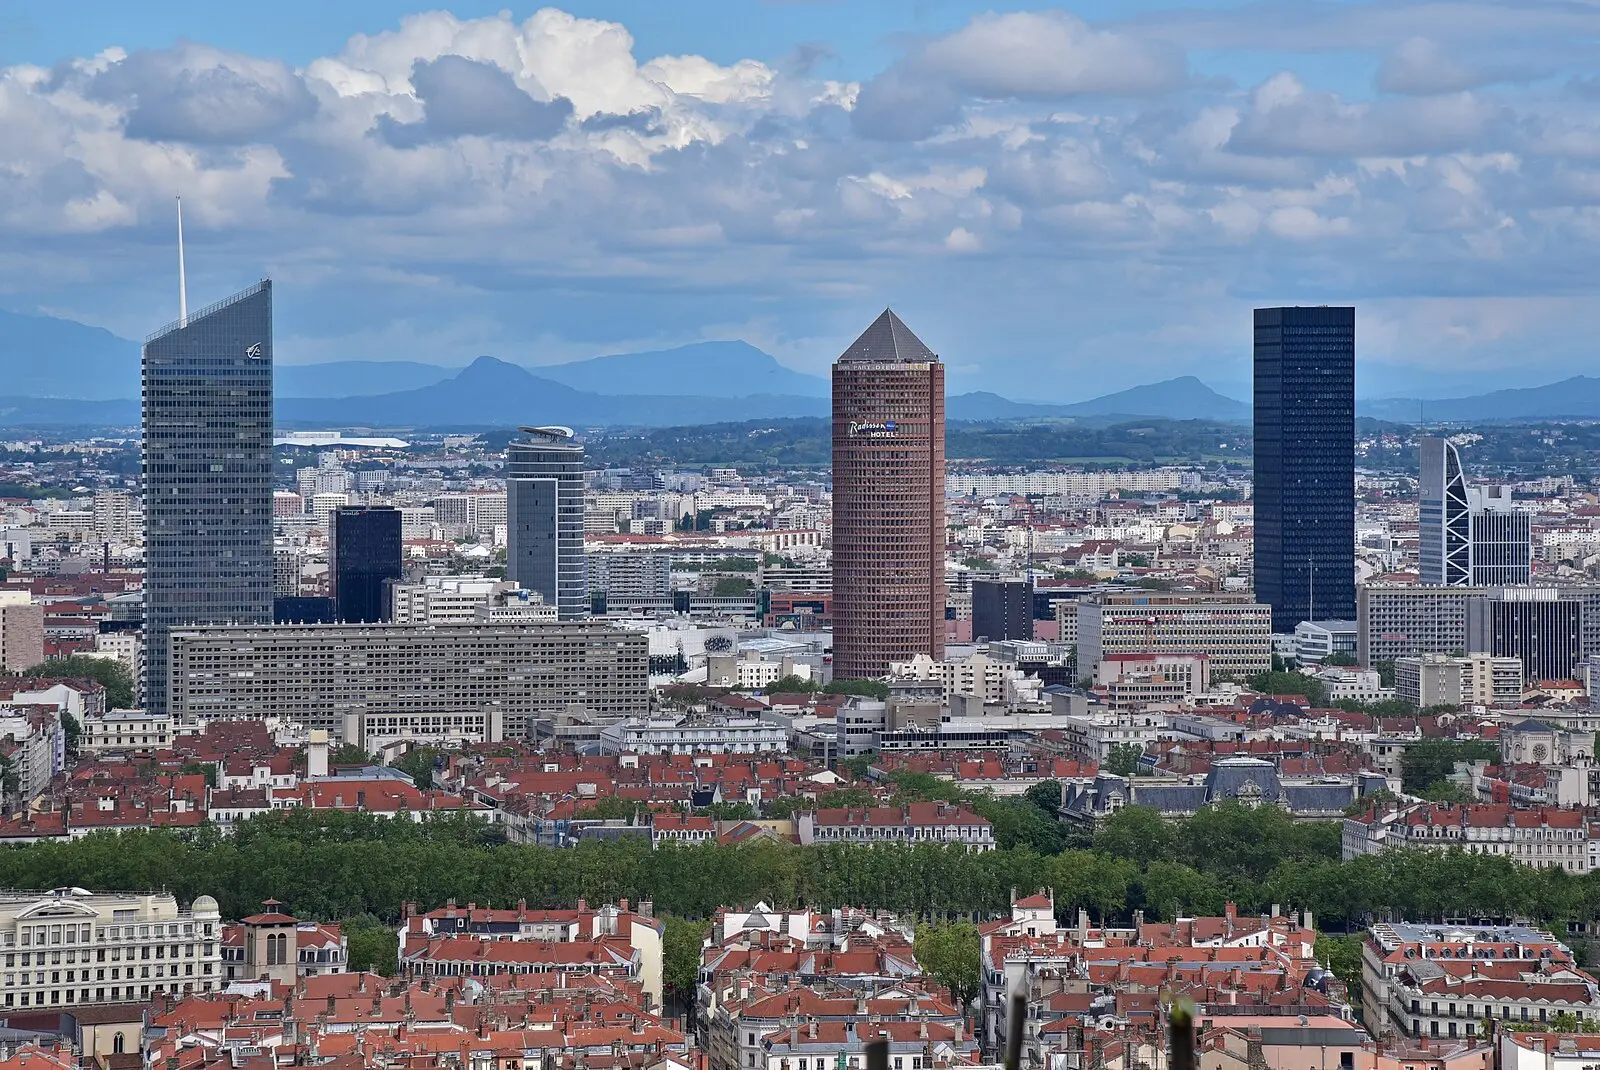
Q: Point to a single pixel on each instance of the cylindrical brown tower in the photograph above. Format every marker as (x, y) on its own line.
(888, 501)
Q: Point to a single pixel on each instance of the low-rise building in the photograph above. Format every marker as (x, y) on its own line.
(938, 823)
(130, 730)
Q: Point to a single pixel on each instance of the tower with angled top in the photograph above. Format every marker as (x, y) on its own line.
(888, 501)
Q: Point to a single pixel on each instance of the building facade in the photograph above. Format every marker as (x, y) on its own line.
(1232, 630)
(1398, 621)
(365, 555)
(1305, 413)
(888, 501)
(1002, 609)
(71, 947)
(1542, 626)
(544, 518)
(1468, 536)
(317, 674)
(207, 420)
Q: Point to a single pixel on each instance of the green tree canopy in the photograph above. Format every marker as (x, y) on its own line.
(1429, 762)
(110, 673)
(1123, 759)
(1291, 683)
(949, 952)
(877, 689)
(791, 685)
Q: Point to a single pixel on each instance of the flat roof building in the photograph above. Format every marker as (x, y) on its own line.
(316, 675)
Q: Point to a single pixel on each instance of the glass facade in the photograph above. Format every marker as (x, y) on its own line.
(1305, 442)
(366, 554)
(544, 519)
(207, 414)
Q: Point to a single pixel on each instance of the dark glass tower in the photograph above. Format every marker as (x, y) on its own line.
(365, 553)
(1305, 459)
(207, 389)
(544, 518)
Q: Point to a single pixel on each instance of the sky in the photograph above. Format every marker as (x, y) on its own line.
(1062, 200)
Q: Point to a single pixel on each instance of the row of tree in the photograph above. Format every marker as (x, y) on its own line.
(331, 865)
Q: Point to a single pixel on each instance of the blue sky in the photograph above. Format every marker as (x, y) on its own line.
(1062, 199)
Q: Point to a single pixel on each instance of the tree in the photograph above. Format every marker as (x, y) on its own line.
(608, 809)
(1448, 791)
(110, 673)
(204, 769)
(73, 730)
(1138, 833)
(10, 779)
(729, 811)
(949, 952)
(418, 764)
(1430, 761)
(877, 689)
(858, 765)
(1385, 670)
(1342, 955)
(731, 586)
(372, 946)
(1291, 683)
(791, 685)
(1340, 657)
(786, 806)
(1046, 795)
(681, 944)
(1123, 759)
(350, 754)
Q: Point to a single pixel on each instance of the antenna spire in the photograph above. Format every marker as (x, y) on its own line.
(183, 284)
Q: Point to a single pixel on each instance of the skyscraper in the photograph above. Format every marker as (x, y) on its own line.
(1468, 536)
(365, 552)
(544, 518)
(1305, 435)
(1002, 609)
(888, 501)
(207, 386)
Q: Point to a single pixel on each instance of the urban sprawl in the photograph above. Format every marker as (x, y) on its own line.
(422, 750)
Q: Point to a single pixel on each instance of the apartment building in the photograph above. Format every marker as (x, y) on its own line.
(70, 946)
(695, 735)
(1445, 981)
(317, 674)
(118, 730)
(1542, 836)
(1396, 622)
(1477, 679)
(460, 600)
(1234, 631)
(926, 822)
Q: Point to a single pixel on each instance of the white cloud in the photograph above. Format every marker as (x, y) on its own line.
(538, 187)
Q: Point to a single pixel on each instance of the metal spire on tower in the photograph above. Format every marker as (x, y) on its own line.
(183, 285)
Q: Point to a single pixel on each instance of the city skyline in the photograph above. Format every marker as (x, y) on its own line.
(661, 181)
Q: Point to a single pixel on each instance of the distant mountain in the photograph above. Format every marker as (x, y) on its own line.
(703, 369)
(352, 378)
(1578, 397)
(1183, 398)
(493, 393)
(45, 357)
(66, 412)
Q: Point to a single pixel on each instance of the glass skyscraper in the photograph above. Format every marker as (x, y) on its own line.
(207, 409)
(1305, 459)
(544, 518)
(1467, 536)
(366, 552)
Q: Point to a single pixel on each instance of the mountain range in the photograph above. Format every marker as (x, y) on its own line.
(60, 372)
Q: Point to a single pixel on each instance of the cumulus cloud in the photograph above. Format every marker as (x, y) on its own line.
(203, 95)
(463, 97)
(555, 184)
(1288, 119)
(1046, 55)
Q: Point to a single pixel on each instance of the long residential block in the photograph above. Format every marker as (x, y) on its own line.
(317, 674)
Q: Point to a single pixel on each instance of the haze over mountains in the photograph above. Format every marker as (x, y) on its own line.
(58, 371)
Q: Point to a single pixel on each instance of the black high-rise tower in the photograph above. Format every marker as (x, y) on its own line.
(1305, 443)
(366, 552)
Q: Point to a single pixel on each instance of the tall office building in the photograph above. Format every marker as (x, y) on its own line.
(1468, 536)
(207, 387)
(1541, 625)
(888, 501)
(365, 553)
(544, 518)
(1305, 441)
(1002, 609)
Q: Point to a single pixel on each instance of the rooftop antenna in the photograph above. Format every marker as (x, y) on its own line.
(183, 284)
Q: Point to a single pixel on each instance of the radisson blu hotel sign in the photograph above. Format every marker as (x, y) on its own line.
(873, 428)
